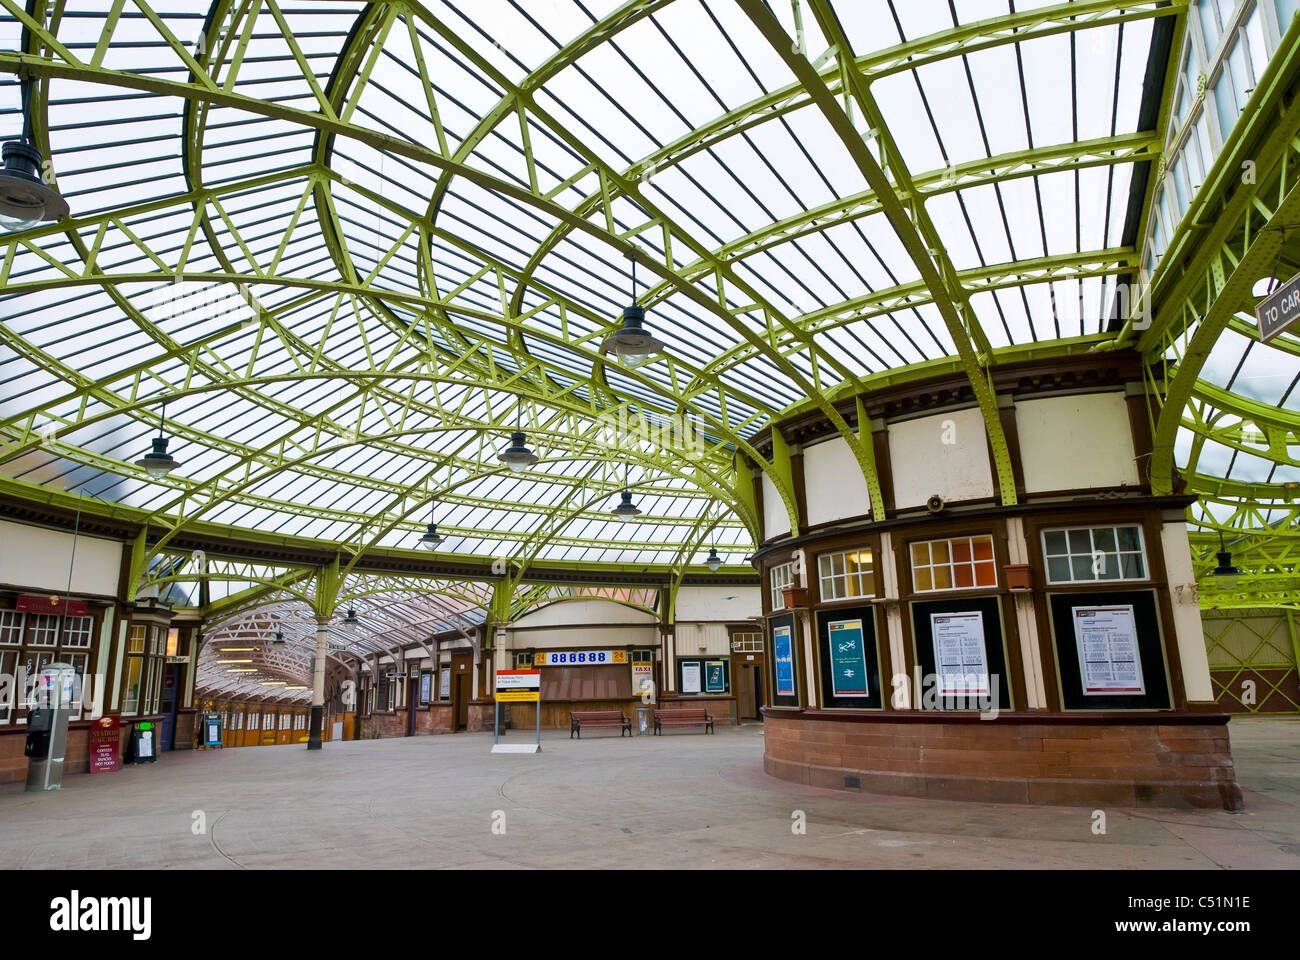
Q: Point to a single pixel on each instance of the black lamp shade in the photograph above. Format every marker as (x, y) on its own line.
(713, 561)
(633, 340)
(1225, 574)
(517, 455)
(25, 200)
(158, 462)
(626, 508)
(432, 538)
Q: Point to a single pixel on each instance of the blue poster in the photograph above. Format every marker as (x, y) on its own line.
(784, 650)
(715, 679)
(848, 658)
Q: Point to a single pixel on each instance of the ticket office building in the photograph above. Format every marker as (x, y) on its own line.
(971, 645)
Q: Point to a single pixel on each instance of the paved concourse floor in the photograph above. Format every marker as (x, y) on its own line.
(682, 800)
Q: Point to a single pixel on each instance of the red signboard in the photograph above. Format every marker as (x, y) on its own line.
(105, 745)
(51, 604)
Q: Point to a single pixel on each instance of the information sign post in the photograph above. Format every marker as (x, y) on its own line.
(517, 686)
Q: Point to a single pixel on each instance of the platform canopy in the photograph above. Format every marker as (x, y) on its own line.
(347, 249)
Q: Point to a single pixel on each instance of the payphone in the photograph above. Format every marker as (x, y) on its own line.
(47, 726)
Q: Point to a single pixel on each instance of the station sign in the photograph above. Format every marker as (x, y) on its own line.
(1279, 310)
(50, 604)
(571, 658)
(519, 686)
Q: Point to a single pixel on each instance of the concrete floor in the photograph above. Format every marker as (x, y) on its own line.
(683, 800)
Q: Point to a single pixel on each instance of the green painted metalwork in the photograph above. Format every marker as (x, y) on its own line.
(453, 340)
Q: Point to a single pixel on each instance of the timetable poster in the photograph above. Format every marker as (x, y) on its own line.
(784, 650)
(848, 658)
(1108, 650)
(690, 676)
(960, 659)
(426, 686)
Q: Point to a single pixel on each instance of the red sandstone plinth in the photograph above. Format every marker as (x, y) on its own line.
(1146, 759)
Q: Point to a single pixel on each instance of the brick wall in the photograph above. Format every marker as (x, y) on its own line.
(1014, 759)
(393, 724)
(480, 715)
(433, 719)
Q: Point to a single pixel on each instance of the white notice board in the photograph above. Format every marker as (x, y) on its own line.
(960, 658)
(1106, 638)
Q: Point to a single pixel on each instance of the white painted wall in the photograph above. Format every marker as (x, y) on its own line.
(1069, 443)
(833, 482)
(690, 637)
(776, 521)
(36, 558)
(732, 604)
(574, 624)
(579, 637)
(945, 454)
(595, 611)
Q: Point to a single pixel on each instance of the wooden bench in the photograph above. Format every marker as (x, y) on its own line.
(683, 718)
(598, 718)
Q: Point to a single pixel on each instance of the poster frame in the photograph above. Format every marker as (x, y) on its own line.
(1152, 651)
(995, 644)
(866, 612)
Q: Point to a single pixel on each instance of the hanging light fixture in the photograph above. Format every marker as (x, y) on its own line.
(632, 339)
(626, 509)
(279, 639)
(158, 462)
(25, 199)
(713, 561)
(517, 455)
(351, 619)
(1225, 574)
(432, 538)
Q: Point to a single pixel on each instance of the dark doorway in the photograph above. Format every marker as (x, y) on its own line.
(168, 706)
(412, 702)
(460, 687)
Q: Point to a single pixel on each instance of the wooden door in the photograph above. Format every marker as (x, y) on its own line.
(749, 685)
(745, 691)
(462, 688)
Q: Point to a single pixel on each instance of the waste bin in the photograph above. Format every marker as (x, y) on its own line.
(643, 720)
(143, 745)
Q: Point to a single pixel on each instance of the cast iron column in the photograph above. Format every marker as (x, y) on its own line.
(318, 685)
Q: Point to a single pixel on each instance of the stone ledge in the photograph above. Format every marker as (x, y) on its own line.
(1189, 769)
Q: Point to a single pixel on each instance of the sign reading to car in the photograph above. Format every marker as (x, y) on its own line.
(1279, 310)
